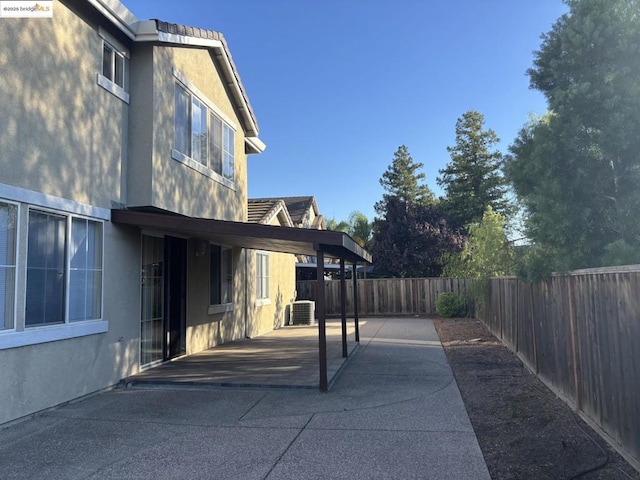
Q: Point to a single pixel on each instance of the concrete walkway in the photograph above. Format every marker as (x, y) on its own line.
(395, 412)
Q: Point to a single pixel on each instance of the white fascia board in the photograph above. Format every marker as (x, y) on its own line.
(255, 144)
(185, 40)
(117, 14)
(244, 108)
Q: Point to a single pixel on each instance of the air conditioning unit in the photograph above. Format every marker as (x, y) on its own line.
(303, 312)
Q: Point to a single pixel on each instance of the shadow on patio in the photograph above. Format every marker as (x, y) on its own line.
(283, 358)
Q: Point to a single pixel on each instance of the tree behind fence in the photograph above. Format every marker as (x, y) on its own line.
(386, 296)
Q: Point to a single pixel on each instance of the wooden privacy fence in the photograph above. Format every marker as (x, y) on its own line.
(386, 296)
(580, 333)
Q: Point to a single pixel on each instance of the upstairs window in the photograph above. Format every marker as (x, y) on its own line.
(114, 65)
(113, 73)
(201, 138)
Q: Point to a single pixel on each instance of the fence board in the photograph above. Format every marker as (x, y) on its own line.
(594, 364)
(386, 296)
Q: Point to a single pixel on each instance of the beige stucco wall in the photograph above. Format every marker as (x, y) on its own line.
(282, 286)
(266, 316)
(60, 133)
(63, 135)
(173, 185)
(206, 330)
(43, 375)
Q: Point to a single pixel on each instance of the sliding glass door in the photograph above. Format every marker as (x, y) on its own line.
(152, 304)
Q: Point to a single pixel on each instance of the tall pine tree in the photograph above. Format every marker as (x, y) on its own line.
(473, 181)
(403, 182)
(411, 233)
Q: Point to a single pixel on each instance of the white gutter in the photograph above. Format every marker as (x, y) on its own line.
(118, 14)
(255, 144)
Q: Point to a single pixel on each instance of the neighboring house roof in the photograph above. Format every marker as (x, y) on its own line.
(263, 210)
(175, 34)
(299, 209)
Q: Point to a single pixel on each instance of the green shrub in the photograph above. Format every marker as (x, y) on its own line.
(450, 305)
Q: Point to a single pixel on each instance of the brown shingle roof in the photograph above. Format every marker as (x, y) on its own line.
(262, 210)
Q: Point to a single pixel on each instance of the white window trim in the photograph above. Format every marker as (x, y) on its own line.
(52, 333)
(265, 300)
(113, 88)
(21, 335)
(103, 81)
(110, 39)
(198, 167)
(44, 201)
(15, 274)
(67, 264)
(181, 77)
(193, 91)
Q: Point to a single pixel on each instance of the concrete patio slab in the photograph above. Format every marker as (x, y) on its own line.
(395, 412)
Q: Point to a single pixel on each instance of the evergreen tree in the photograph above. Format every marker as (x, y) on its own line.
(577, 170)
(472, 181)
(412, 232)
(402, 182)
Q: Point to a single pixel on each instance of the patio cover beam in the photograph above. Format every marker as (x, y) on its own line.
(300, 241)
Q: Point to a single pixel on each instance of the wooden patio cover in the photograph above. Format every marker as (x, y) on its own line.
(300, 241)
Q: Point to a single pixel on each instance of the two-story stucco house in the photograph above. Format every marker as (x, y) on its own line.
(124, 239)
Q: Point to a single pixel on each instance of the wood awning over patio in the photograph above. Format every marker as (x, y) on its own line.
(297, 241)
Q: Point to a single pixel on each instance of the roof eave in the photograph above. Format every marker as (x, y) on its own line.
(254, 145)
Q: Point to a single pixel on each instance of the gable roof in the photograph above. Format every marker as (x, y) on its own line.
(263, 210)
(299, 208)
(175, 34)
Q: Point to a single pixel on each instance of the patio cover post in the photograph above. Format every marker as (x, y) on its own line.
(322, 322)
(343, 308)
(355, 300)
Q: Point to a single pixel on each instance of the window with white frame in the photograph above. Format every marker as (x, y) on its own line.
(8, 240)
(64, 269)
(85, 270)
(221, 273)
(262, 276)
(202, 136)
(114, 65)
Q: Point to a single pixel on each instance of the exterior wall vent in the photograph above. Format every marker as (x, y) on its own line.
(303, 312)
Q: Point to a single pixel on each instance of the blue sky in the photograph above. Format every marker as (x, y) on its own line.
(338, 85)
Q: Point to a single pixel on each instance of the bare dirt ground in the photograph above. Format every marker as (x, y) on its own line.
(524, 430)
